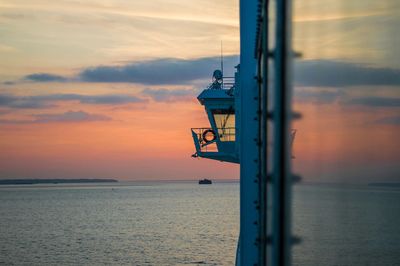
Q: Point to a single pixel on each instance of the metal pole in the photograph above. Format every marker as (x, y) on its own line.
(281, 174)
(263, 59)
(222, 66)
(249, 159)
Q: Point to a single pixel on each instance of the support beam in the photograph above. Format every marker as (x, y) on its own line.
(249, 159)
(281, 172)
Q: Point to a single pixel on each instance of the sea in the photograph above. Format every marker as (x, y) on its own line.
(183, 223)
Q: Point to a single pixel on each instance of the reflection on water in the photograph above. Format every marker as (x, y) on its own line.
(152, 224)
(184, 224)
(346, 225)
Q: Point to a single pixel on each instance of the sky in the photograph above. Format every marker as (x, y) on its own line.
(107, 89)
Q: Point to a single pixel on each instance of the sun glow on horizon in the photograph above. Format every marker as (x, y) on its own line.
(108, 89)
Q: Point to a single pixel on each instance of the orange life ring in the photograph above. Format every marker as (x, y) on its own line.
(204, 135)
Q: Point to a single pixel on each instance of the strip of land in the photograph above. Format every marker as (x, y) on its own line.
(384, 184)
(53, 181)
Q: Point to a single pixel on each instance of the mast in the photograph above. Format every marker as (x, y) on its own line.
(222, 65)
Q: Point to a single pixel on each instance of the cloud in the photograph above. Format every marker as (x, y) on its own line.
(14, 122)
(70, 116)
(7, 48)
(325, 73)
(376, 101)
(45, 77)
(164, 95)
(391, 120)
(22, 102)
(3, 112)
(317, 95)
(324, 81)
(331, 95)
(158, 72)
(171, 71)
(166, 71)
(112, 99)
(67, 117)
(47, 101)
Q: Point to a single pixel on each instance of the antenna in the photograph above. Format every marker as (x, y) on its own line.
(222, 65)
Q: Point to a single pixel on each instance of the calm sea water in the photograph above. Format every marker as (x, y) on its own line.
(188, 224)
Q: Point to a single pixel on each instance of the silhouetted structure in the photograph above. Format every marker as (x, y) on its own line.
(205, 181)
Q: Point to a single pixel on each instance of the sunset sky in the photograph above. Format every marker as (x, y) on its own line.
(107, 88)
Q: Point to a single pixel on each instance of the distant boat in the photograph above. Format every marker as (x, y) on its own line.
(205, 181)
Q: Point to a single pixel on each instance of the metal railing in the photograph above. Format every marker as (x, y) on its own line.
(227, 84)
(207, 138)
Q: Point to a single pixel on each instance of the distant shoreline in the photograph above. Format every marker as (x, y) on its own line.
(54, 181)
(384, 184)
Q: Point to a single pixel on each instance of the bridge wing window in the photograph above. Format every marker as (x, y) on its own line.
(225, 122)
